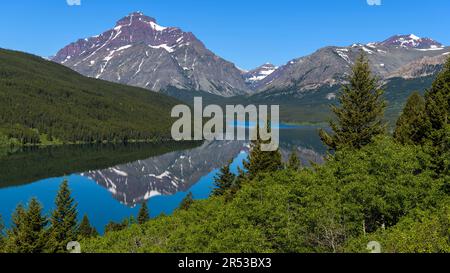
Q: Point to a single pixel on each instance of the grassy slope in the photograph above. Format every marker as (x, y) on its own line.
(56, 101)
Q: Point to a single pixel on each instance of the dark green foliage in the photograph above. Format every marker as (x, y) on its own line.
(420, 232)
(85, 230)
(63, 220)
(438, 100)
(294, 162)
(437, 104)
(412, 126)
(113, 226)
(353, 197)
(28, 234)
(19, 134)
(223, 181)
(261, 161)
(43, 102)
(187, 201)
(384, 181)
(360, 113)
(144, 214)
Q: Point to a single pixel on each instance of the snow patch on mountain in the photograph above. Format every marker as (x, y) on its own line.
(259, 74)
(164, 46)
(412, 41)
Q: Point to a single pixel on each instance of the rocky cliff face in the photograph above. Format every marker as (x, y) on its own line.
(139, 52)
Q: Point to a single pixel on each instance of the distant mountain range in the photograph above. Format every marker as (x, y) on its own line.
(397, 56)
(139, 52)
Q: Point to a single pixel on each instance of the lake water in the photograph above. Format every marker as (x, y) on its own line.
(109, 182)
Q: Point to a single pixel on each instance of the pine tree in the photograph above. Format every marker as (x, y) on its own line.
(262, 161)
(187, 201)
(360, 114)
(223, 181)
(412, 125)
(63, 221)
(437, 104)
(85, 230)
(18, 218)
(28, 234)
(143, 215)
(132, 220)
(113, 226)
(34, 228)
(438, 100)
(294, 162)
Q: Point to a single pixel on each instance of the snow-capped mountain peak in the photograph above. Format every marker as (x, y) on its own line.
(140, 52)
(412, 41)
(260, 73)
(138, 17)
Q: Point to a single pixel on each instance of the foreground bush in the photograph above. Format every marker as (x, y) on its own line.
(357, 196)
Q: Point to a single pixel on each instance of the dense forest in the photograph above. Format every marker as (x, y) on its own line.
(374, 186)
(42, 102)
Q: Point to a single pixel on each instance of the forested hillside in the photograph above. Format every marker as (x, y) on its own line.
(43, 102)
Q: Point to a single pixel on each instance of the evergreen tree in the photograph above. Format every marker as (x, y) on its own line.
(360, 114)
(35, 228)
(85, 230)
(63, 221)
(412, 125)
(223, 181)
(143, 215)
(262, 161)
(113, 226)
(132, 220)
(15, 234)
(294, 162)
(437, 104)
(187, 201)
(28, 234)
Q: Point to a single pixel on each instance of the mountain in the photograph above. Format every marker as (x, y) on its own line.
(139, 52)
(423, 67)
(411, 41)
(330, 66)
(42, 101)
(253, 77)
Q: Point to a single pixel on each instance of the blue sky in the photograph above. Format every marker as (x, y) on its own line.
(246, 32)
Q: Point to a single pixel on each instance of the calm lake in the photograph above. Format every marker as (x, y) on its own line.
(109, 182)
